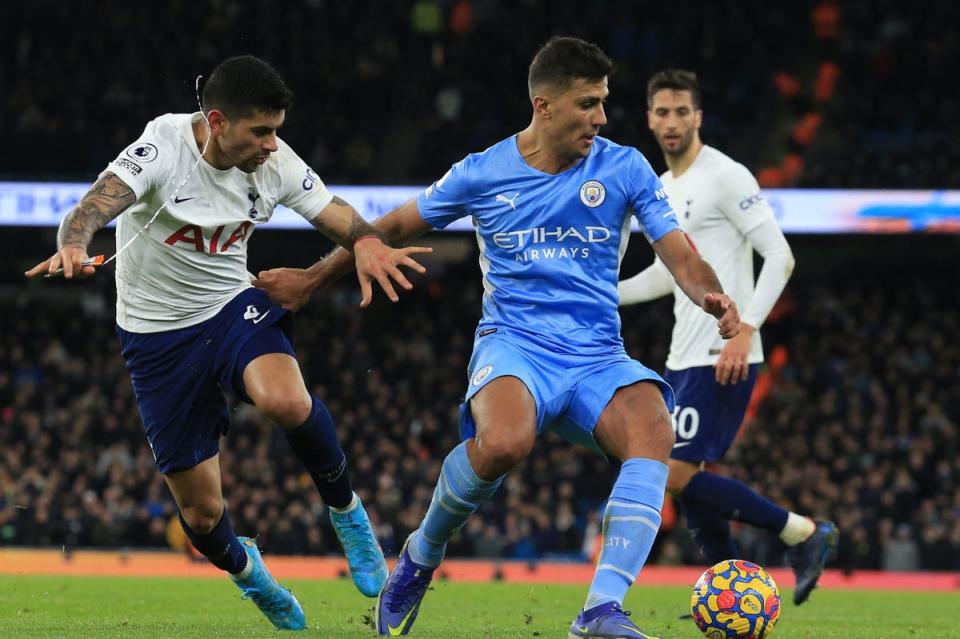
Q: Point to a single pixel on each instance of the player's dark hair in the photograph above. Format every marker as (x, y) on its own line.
(675, 80)
(243, 85)
(563, 59)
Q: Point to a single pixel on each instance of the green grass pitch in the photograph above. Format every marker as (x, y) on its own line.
(95, 607)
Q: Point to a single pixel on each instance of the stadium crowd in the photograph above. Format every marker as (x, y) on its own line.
(860, 421)
(859, 424)
(394, 92)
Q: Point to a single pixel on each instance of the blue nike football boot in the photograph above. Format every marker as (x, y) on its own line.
(276, 602)
(368, 568)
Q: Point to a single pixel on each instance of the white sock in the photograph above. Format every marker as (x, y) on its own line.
(243, 574)
(797, 529)
(353, 504)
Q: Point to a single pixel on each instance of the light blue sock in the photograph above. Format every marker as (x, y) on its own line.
(458, 494)
(630, 524)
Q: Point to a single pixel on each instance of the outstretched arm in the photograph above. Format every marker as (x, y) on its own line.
(292, 287)
(698, 281)
(107, 198)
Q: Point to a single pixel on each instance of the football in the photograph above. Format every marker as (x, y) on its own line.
(735, 599)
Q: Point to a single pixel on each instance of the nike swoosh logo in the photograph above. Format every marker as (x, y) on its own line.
(257, 320)
(178, 200)
(677, 445)
(639, 634)
(398, 630)
(582, 628)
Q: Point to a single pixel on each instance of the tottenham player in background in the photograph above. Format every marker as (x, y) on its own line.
(551, 206)
(190, 321)
(726, 217)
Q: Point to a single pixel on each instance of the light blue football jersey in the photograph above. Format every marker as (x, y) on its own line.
(551, 245)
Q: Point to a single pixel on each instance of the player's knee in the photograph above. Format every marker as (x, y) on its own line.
(203, 518)
(663, 431)
(656, 437)
(503, 451)
(288, 410)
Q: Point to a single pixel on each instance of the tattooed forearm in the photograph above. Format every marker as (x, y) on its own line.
(359, 228)
(342, 224)
(319, 224)
(105, 200)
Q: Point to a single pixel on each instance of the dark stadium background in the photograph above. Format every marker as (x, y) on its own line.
(859, 424)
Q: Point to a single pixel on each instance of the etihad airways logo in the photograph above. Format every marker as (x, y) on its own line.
(543, 235)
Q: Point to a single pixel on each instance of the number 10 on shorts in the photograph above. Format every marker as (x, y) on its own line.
(686, 422)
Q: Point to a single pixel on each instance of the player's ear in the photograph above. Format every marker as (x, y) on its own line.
(698, 118)
(217, 120)
(650, 119)
(541, 106)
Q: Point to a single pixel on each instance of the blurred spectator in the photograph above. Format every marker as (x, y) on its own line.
(860, 425)
(396, 92)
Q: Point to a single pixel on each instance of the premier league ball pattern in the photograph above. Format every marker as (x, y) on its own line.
(735, 600)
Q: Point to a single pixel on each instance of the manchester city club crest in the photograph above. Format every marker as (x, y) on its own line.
(592, 193)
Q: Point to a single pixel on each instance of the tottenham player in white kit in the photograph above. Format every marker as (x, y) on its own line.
(726, 218)
(190, 322)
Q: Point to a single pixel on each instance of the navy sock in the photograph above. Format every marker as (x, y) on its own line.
(220, 545)
(315, 443)
(710, 529)
(735, 500)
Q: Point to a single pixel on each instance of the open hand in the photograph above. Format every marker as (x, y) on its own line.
(377, 261)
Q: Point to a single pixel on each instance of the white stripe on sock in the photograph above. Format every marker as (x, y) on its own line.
(445, 487)
(651, 525)
(623, 504)
(451, 509)
(620, 571)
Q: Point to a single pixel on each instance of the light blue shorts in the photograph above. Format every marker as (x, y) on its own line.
(570, 390)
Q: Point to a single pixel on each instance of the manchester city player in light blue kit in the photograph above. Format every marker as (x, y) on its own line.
(552, 207)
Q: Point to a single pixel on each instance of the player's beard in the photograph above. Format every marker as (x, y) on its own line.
(683, 144)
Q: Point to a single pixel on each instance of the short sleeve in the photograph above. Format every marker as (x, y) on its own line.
(447, 199)
(649, 200)
(301, 188)
(741, 200)
(150, 161)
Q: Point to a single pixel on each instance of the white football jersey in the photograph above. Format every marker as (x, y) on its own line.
(718, 201)
(193, 259)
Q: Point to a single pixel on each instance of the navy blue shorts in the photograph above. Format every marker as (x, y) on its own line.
(707, 415)
(570, 390)
(179, 376)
